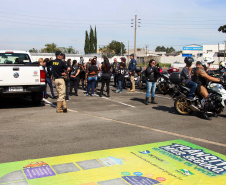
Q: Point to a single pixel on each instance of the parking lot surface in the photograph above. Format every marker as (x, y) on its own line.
(94, 123)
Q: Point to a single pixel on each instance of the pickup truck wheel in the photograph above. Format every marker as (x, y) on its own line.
(36, 98)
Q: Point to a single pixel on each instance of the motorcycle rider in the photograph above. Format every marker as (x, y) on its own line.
(186, 77)
(152, 73)
(200, 77)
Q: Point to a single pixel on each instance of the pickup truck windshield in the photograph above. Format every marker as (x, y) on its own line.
(14, 58)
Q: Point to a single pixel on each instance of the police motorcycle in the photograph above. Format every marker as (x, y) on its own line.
(216, 98)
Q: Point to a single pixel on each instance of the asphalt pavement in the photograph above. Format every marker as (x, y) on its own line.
(94, 123)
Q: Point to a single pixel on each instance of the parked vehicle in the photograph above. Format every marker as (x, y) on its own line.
(137, 77)
(20, 76)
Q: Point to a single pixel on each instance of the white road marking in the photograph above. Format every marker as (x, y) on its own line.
(162, 131)
(155, 95)
(52, 105)
(147, 128)
(113, 100)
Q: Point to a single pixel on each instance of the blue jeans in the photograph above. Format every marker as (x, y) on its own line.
(115, 78)
(192, 85)
(150, 87)
(49, 82)
(91, 83)
(119, 85)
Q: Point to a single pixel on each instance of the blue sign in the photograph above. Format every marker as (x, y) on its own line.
(193, 48)
(186, 55)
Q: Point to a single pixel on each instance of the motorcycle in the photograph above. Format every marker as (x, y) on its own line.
(216, 98)
(163, 82)
(137, 77)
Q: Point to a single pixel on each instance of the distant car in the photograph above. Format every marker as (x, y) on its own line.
(36, 164)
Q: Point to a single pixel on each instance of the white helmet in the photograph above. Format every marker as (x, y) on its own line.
(207, 60)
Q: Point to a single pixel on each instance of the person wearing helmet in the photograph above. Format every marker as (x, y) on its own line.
(186, 77)
(206, 63)
(201, 77)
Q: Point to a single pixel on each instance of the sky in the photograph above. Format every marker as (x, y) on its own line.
(27, 24)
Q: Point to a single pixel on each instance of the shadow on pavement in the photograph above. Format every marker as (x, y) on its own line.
(138, 100)
(165, 109)
(9, 103)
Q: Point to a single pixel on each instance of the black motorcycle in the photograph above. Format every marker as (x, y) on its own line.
(184, 106)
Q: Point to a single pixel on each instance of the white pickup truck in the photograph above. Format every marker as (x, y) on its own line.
(20, 76)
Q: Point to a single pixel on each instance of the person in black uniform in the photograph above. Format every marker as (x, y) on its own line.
(82, 72)
(74, 77)
(106, 76)
(152, 73)
(59, 70)
(67, 78)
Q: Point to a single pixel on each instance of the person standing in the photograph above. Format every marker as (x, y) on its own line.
(152, 73)
(92, 77)
(74, 77)
(48, 79)
(98, 66)
(82, 72)
(106, 76)
(59, 70)
(121, 74)
(132, 69)
(115, 71)
(86, 66)
(67, 78)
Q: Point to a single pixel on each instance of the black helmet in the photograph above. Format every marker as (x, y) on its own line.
(188, 60)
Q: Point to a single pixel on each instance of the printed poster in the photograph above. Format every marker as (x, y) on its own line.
(176, 162)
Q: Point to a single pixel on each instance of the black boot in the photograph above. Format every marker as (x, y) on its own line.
(205, 116)
(206, 107)
(146, 102)
(153, 100)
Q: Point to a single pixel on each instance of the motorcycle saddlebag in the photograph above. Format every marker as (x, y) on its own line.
(175, 77)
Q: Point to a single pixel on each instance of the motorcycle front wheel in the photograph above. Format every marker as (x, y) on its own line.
(181, 105)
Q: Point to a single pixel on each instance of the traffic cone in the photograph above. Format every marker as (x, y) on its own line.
(164, 67)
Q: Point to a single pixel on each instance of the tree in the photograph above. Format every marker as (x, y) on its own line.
(170, 50)
(86, 47)
(114, 48)
(95, 40)
(160, 49)
(163, 49)
(49, 48)
(91, 41)
(33, 50)
(222, 29)
(70, 50)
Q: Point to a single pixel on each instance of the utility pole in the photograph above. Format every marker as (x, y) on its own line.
(135, 35)
(135, 38)
(146, 46)
(128, 50)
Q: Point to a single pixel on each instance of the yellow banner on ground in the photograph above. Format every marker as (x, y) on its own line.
(176, 162)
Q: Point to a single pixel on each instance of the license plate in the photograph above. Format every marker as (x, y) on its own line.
(15, 88)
